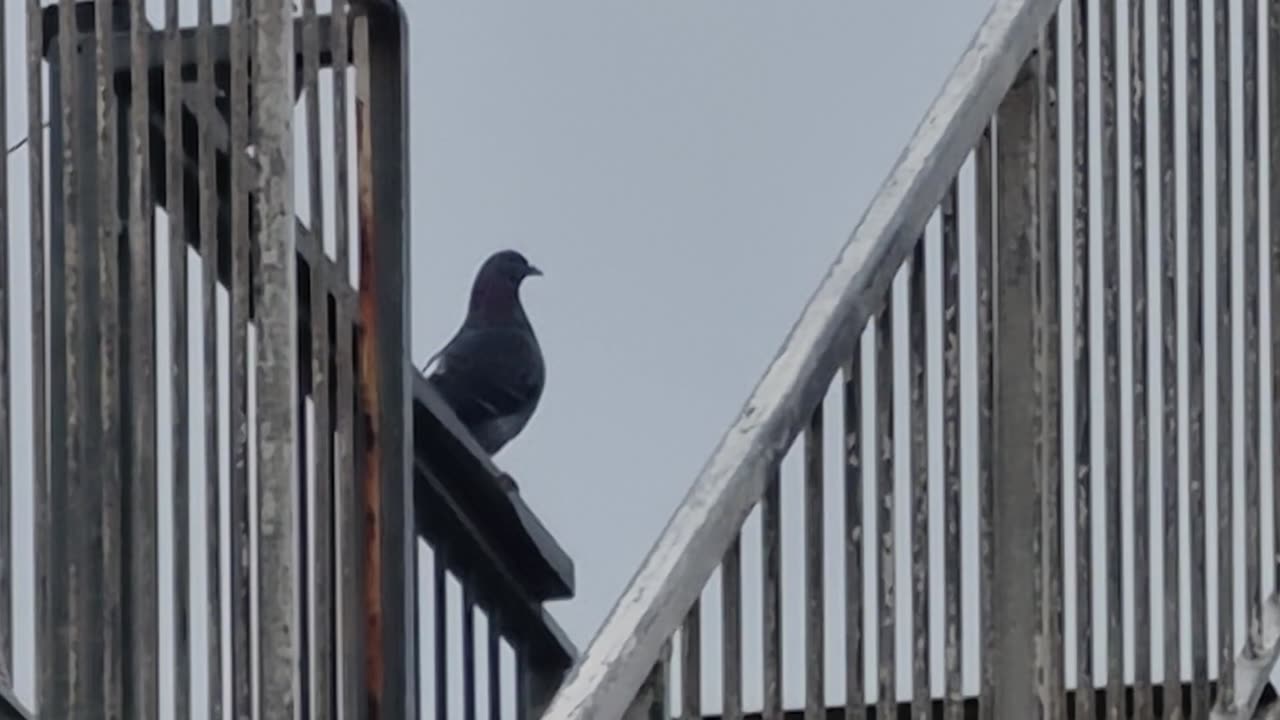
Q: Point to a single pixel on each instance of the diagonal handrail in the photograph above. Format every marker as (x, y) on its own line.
(607, 676)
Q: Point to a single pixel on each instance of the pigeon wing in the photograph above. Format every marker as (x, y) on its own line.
(487, 374)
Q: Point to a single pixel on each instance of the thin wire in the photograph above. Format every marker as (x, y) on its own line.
(18, 145)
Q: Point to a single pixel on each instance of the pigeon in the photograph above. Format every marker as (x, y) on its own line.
(491, 373)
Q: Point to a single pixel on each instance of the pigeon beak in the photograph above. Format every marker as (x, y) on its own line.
(533, 272)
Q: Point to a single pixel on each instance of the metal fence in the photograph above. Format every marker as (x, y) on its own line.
(1048, 371)
(216, 461)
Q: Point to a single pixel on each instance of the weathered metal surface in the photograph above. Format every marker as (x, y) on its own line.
(349, 528)
(1114, 542)
(340, 29)
(1273, 208)
(1052, 690)
(1081, 355)
(953, 575)
(6, 381)
(209, 247)
(733, 480)
(886, 567)
(179, 476)
(321, 484)
(276, 379)
(1194, 295)
(1139, 239)
(1017, 429)
(384, 404)
(141, 599)
(919, 424)
(650, 702)
(57, 689)
(731, 631)
(854, 536)
(1252, 668)
(1171, 550)
(349, 520)
(1252, 266)
(1224, 379)
(814, 666)
(771, 596)
(691, 664)
(107, 456)
(240, 182)
(984, 220)
(46, 584)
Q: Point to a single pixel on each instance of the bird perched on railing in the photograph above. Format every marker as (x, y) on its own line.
(491, 373)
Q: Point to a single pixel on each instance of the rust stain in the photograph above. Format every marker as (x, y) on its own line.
(369, 405)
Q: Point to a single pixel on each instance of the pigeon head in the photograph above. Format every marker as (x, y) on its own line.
(495, 293)
(507, 266)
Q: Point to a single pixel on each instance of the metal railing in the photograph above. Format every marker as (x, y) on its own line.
(1038, 418)
(210, 427)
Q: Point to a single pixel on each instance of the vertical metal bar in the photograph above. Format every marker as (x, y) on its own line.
(1111, 360)
(921, 703)
(349, 523)
(656, 683)
(339, 26)
(815, 700)
(349, 513)
(886, 566)
(385, 406)
(46, 586)
(277, 360)
(691, 664)
(140, 602)
(62, 694)
(1085, 694)
(207, 180)
(495, 671)
(854, 447)
(953, 576)
(1169, 298)
(731, 630)
(108, 458)
(1274, 212)
(322, 488)
(771, 601)
(984, 291)
(1019, 353)
(1195, 371)
(241, 602)
(1224, 379)
(1049, 375)
(1142, 707)
(1252, 382)
(441, 666)
(468, 653)
(6, 423)
(1273, 121)
(176, 208)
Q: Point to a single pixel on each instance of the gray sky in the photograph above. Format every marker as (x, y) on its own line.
(683, 173)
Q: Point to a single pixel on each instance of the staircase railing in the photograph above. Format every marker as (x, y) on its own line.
(1063, 420)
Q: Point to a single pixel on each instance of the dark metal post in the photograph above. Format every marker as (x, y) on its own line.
(384, 415)
(1016, 464)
